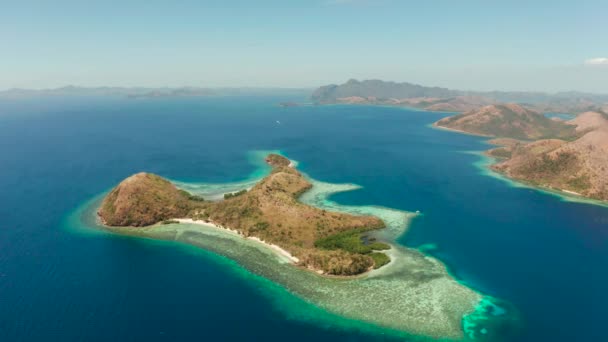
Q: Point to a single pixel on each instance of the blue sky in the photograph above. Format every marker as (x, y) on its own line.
(507, 45)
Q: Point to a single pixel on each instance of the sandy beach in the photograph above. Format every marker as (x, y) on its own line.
(434, 125)
(571, 192)
(276, 249)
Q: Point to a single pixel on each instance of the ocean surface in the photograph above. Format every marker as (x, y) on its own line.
(545, 256)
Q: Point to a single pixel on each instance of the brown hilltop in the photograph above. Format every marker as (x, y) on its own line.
(568, 156)
(277, 161)
(269, 211)
(508, 121)
(144, 199)
(589, 121)
(579, 166)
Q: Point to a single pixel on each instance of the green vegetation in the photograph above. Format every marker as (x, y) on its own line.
(547, 165)
(349, 241)
(170, 222)
(352, 242)
(580, 183)
(379, 246)
(235, 194)
(380, 259)
(562, 170)
(191, 196)
(259, 226)
(500, 152)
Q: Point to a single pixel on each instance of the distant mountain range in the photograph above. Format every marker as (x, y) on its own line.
(443, 99)
(143, 92)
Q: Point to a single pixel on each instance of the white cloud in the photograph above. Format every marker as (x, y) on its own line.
(597, 61)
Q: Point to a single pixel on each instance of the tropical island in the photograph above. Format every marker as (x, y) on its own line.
(283, 228)
(566, 156)
(329, 243)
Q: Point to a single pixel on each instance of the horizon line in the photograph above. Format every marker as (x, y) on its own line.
(84, 87)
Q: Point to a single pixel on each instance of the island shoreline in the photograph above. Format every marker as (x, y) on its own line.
(275, 248)
(443, 289)
(487, 161)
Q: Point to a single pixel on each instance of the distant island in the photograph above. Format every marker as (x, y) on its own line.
(449, 100)
(326, 242)
(571, 156)
(147, 92)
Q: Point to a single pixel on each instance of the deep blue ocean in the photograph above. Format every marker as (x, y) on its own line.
(547, 257)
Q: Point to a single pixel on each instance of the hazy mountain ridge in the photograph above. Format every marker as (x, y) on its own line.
(148, 92)
(378, 89)
(443, 99)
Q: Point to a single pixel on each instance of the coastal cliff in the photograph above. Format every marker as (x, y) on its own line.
(327, 242)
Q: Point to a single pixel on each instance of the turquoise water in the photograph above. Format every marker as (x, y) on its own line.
(412, 295)
(533, 250)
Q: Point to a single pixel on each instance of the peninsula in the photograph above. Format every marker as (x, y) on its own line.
(570, 157)
(329, 243)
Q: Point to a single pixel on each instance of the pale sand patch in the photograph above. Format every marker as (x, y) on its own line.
(571, 192)
(276, 249)
(435, 125)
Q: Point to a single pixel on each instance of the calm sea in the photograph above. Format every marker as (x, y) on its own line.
(547, 257)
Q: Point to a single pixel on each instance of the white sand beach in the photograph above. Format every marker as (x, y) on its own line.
(276, 249)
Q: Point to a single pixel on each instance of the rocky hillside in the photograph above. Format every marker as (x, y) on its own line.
(144, 199)
(579, 166)
(508, 121)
